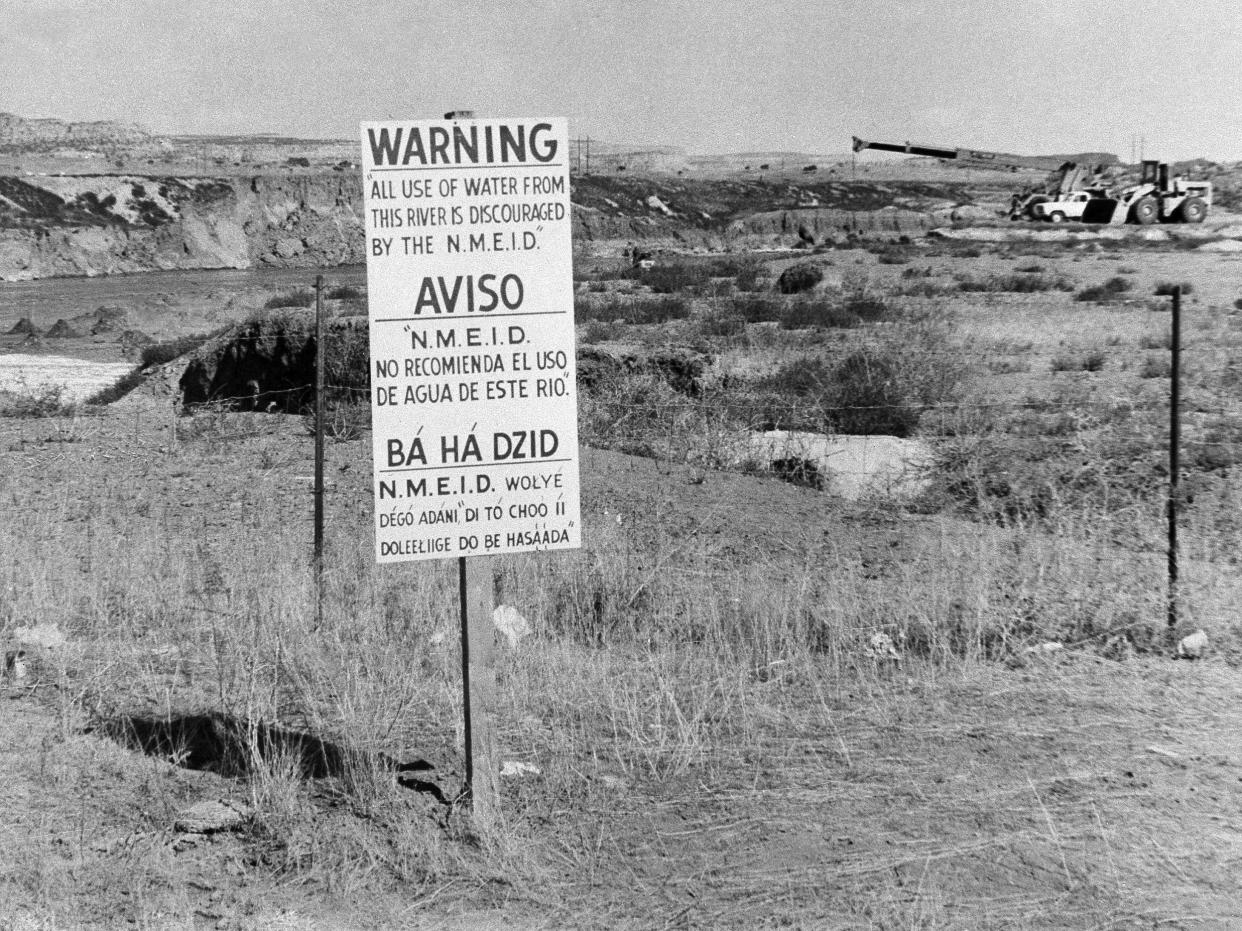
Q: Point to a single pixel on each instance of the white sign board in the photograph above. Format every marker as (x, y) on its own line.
(470, 287)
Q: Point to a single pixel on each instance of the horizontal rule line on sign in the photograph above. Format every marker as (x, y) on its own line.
(481, 315)
(477, 465)
(467, 167)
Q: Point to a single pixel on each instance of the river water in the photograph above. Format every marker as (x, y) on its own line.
(46, 300)
(90, 364)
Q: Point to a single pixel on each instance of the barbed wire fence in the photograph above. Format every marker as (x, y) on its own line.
(998, 458)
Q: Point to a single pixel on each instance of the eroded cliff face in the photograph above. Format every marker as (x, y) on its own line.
(110, 224)
(54, 225)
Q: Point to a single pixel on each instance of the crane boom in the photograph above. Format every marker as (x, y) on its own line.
(970, 158)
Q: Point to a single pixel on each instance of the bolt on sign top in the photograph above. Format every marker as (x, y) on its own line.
(470, 294)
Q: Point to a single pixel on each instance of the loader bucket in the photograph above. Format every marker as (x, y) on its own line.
(1103, 210)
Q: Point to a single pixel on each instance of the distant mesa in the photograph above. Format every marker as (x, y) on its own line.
(18, 131)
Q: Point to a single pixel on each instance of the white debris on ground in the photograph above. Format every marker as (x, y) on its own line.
(516, 768)
(34, 376)
(210, 817)
(881, 646)
(1193, 646)
(510, 622)
(43, 636)
(656, 204)
(852, 467)
(1048, 646)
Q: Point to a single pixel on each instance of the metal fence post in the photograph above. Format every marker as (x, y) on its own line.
(1175, 403)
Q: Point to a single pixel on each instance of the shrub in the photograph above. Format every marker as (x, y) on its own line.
(725, 325)
(1090, 362)
(758, 309)
(588, 308)
(1032, 269)
(1110, 290)
(882, 389)
(638, 310)
(798, 278)
(669, 279)
(868, 398)
(1166, 288)
(345, 292)
(749, 277)
(659, 311)
(800, 377)
(48, 402)
(599, 331)
(1163, 341)
(867, 309)
(1156, 367)
(924, 289)
(300, 297)
(1009, 366)
(893, 257)
(1017, 284)
(811, 312)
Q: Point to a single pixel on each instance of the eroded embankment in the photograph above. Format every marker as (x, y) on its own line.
(109, 224)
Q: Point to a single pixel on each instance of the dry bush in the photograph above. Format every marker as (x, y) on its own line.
(299, 297)
(1092, 361)
(47, 401)
(1016, 284)
(800, 277)
(633, 310)
(674, 278)
(1111, 290)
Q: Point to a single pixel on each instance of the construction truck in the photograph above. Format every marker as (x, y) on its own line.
(1064, 177)
(1158, 197)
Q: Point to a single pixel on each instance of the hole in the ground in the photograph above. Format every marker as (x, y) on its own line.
(234, 746)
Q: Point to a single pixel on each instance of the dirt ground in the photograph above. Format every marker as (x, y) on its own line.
(1071, 795)
(1059, 789)
(1067, 792)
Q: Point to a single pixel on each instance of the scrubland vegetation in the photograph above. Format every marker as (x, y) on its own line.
(701, 693)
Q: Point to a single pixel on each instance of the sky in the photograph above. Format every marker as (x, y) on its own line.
(711, 76)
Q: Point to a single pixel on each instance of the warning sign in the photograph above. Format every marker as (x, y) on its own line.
(470, 287)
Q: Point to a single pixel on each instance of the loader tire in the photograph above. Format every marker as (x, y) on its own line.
(1056, 217)
(1192, 210)
(1145, 211)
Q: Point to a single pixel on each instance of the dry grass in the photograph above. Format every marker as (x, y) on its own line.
(717, 746)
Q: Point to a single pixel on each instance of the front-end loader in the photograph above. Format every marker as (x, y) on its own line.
(1158, 197)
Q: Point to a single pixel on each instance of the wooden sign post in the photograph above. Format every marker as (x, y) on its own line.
(473, 372)
(478, 684)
